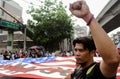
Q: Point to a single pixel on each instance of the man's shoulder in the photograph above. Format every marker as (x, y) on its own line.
(92, 67)
(94, 72)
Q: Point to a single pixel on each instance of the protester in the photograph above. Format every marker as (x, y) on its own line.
(58, 53)
(6, 55)
(85, 48)
(63, 54)
(23, 55)
(16, 55)
(33, 54)
(39, 53)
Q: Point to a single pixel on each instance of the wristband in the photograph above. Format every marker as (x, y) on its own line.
(90, 20)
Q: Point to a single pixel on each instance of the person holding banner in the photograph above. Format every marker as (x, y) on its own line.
(85, 47)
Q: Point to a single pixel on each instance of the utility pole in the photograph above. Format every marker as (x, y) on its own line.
(23, 26)
(25, 38)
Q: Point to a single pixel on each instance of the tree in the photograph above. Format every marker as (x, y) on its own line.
(50, 25)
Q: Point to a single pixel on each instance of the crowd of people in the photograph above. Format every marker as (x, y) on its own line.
(34, 53)
(9, 55)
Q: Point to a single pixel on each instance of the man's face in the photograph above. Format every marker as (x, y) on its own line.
(82, 55)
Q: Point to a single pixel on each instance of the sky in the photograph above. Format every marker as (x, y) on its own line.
(95, 7)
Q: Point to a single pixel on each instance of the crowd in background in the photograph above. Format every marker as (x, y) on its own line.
(11, 55)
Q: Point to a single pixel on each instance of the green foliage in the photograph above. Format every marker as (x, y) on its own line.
(51, 24)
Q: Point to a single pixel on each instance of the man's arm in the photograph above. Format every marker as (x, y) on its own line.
(106, 48)
(103, 43)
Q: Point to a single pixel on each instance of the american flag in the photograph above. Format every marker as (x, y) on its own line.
(41, 68)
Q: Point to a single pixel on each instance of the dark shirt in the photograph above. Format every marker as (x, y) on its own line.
(16, 56)
(94, 73)
(6, 57)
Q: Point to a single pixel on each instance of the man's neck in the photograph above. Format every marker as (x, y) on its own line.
(82, 66)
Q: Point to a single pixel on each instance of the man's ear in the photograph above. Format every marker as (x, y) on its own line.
(92, 52)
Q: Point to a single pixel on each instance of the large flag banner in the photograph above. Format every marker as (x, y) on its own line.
(41, 68)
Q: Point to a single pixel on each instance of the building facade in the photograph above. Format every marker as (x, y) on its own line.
(15, 10)
(80, 31)
(116, 37)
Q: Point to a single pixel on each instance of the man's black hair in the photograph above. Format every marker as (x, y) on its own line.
(87, 42)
